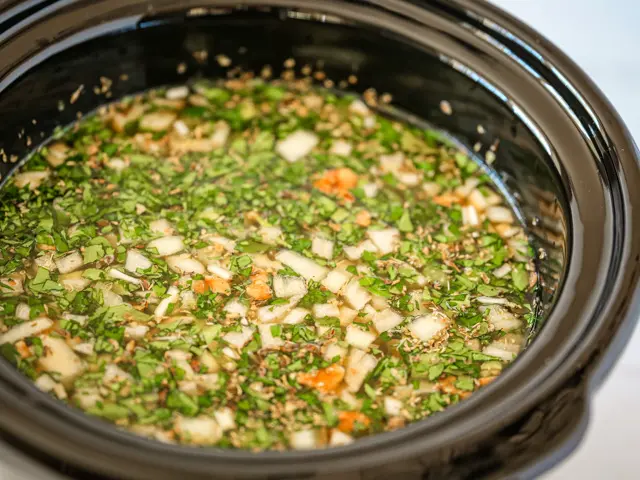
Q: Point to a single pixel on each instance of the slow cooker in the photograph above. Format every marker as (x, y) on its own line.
(492, 83)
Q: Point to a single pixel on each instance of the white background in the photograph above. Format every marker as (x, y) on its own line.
(603, 37)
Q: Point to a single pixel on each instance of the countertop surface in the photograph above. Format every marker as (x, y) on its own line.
(602, 36)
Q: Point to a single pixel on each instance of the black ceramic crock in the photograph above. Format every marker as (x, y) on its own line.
(562, 153)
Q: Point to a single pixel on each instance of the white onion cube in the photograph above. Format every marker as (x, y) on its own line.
(297, 145)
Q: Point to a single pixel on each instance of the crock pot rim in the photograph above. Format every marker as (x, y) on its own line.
(628, 162)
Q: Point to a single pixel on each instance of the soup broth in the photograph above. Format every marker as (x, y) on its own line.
(258, 265)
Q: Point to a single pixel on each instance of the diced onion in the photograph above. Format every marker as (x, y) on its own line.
(188, 299)
(392, 162)
(386, 240)
(114, 374)
(58, 358)
(167, 245)
(235, 308)
(273, 313)
(80, 319)
(267, 338)
(135, 260)
(57, 154)
(136, 332)
(339, 439)
(84, 348)
(354, 253)
(161, 226)
(502, 319)
(347, 315)
(356, 295)
(181, 128)
(177, 93)
(302, 265)
(270, 235)
(74, 281)
(508, 231)
(70, 262)
(23, 311)
(392, 406)
(210, 381)
(225, 418)
(201, 430)
(229, 352)
(470, 216)
(499, 215)
(220, 134)
(492, 300)
(359, 365)
(116, 164)
(501, 350)
(297, 145)
(322, 247)
(386, 320)
(359, 107)
(321, 310)
(182, 360)
(262, 261)
(295, 316)
(304, 440)
(163, 306)
(26, 329)
(502, 271)
(32, 179)
(287, 287)
(117, 274)
(334, 350)
(185, 265)
(431, 188)
(467, 187)
(340, 147)
(157, 121)
(428, 326)
(335, 280)
(46, 261)
(411, 179)
(219, 271)
(378, 302)
(370, 190)
(45, 383)
(477, 200)
(87, 398)
(12, 285)
(356, 337)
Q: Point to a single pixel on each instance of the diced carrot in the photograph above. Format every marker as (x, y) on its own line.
(325, 380)
(23, 349)
(446, 385)
(215, 284)
(363, 218)
(337, 182)
(446, 199)
(259, 289)
(218, 285)
(199, 286)
(349, 419)
(486, 380)
(347, 179)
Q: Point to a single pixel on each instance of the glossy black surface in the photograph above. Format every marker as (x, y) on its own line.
(564, 155)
